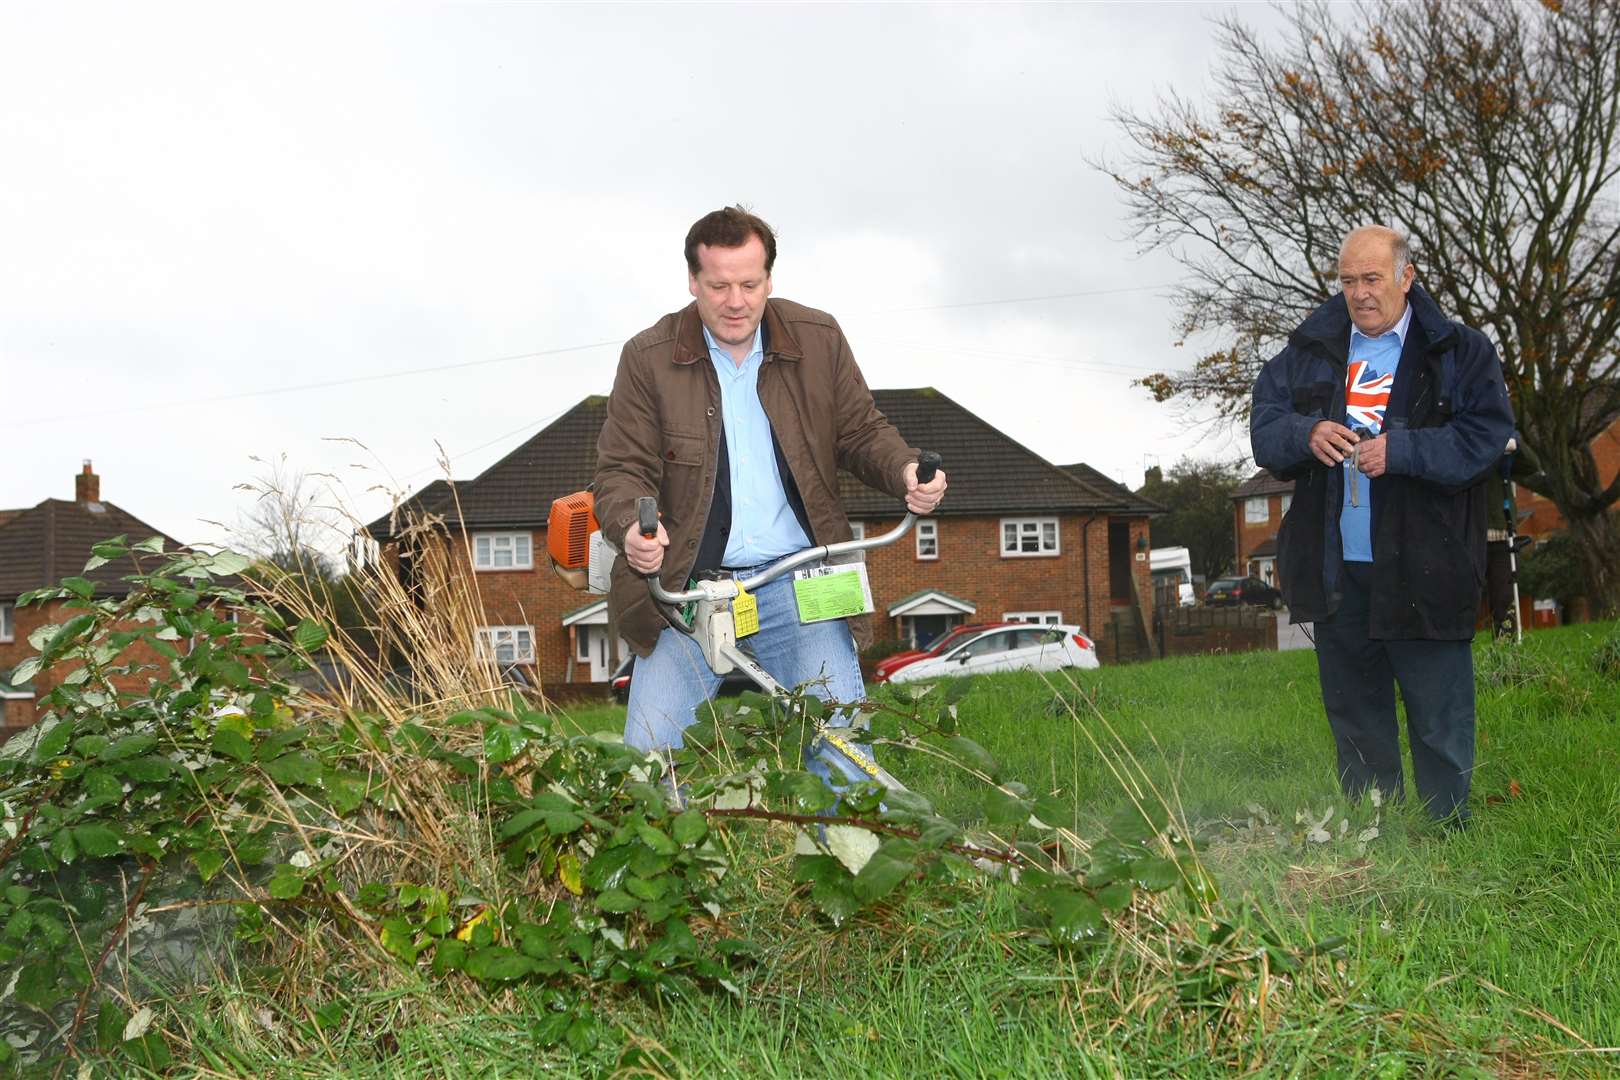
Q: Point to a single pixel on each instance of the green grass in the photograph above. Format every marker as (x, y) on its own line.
(1495, 952)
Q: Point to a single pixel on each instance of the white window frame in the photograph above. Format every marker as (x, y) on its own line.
(1256, 510)
(486, 560)
(857, 530)
(927, 530)
(8, 621)
(1038, 618)
(489, 643)
(1038, 525)
(1287, 501)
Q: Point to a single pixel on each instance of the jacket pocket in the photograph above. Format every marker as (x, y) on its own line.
(682, 447)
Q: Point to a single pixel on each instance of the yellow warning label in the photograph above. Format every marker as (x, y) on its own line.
(745, 613)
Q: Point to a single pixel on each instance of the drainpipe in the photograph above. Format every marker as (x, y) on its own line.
(1085, 575)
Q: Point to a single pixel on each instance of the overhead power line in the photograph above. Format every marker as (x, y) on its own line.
(323, 385)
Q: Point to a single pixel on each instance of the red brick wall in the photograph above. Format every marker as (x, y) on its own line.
(17, 713)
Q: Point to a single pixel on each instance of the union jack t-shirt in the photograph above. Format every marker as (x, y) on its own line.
(1367, 382)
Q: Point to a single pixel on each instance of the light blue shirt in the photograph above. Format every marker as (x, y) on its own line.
(1368, 379)
(762, 523)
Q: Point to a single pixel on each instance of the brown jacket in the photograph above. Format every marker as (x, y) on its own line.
(662, 437)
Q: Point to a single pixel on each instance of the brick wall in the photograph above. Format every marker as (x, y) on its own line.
(16, 714)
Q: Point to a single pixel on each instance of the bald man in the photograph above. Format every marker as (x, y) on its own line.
(1387, 416)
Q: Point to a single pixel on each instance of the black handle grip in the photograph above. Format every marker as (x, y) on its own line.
(647, 516)
(928, 464)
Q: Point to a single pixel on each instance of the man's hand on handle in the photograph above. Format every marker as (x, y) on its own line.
(1331, 442)
(922, 499)
(645, 554)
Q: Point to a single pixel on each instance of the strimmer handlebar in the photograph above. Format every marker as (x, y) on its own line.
(928, 463)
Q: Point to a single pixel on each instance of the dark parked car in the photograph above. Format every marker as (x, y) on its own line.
(1244, 590)
(733, 682)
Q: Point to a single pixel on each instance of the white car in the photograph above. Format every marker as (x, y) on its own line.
(1025, 647)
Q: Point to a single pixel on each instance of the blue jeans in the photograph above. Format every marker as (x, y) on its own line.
(669, 685)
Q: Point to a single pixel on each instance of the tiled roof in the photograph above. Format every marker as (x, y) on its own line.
(1108, 487)
(1265, 548)
(51, 541)
(989, 471)
(1263, 483)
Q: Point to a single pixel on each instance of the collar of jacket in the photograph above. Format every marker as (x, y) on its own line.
(1329, 324)
(780, 344)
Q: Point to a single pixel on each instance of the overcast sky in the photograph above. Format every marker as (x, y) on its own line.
(204, 210)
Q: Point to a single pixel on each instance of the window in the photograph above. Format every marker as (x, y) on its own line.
(503, 551)
(507, 644)
(1029, 536)
(986, 645)
(857, 530)
(1032, 616)
(6, 629)
(1287, 501)
(1255, 510)
(927, 539)
(584, 636)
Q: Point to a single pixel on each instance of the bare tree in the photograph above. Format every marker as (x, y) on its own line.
(1485, 130)
(290, 524)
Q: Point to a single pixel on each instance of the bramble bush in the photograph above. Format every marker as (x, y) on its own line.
(477, 843)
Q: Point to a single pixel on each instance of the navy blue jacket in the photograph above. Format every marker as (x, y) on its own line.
(1447, 423)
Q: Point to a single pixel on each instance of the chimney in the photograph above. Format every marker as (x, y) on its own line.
(87, 485)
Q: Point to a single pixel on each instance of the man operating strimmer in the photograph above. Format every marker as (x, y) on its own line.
(736, 413)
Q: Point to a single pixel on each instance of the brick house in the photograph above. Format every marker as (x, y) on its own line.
(1258, 506)
(40, 546)
(1537, 514)
(1017, 537)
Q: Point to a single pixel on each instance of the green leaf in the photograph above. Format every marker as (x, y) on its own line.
(80, 587)
(26, 670)
(1072, 917)
(449, 955)
(582, 1035)
(503, 742)
(399, 938)
(891, 864)
(147, 770)
(64, 846)
(657, 840)
(115, 548)
(1156, 875)
(152, 545)
(231, 744)
(88, 746)
(97, 841)
(310, 635)
(128, 747)
(287, 883)
(521, 822)
(957, 689)
(689, 827)
(973, 755)
(68, 633)
(617, 901)
(52, 744)
(209, 861)
(1056, 812)
(1115, 897)
(1002, 810)
(294, 768)
(498, 964)
(834, 897)
(562, 822)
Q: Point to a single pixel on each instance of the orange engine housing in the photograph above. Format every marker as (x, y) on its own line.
(569, 528)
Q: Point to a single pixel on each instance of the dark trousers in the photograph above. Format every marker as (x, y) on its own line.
(1358, 690)
(1499, 587)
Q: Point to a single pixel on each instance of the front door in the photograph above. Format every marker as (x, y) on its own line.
(1121, 587)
